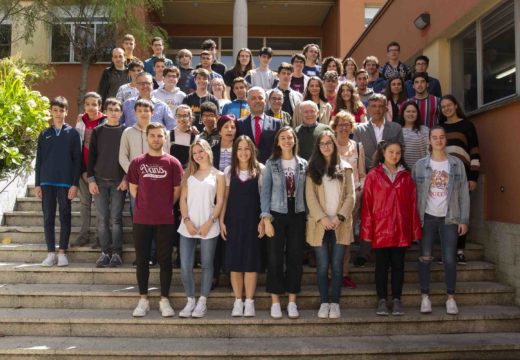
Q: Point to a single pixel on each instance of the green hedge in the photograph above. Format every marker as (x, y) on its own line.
(23, 114)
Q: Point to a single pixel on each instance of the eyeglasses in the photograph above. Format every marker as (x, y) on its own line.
(145, 83)
(344, 125)
(172, 76)
(182, 116)
(325, 144)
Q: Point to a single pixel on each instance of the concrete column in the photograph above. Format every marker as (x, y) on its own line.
(239, 26)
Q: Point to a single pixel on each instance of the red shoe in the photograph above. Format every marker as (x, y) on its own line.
(348, 283)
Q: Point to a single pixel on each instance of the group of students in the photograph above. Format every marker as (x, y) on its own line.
(253, 181)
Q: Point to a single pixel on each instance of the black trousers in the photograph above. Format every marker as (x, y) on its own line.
(389, 258)
(286, 246)
(143, 235)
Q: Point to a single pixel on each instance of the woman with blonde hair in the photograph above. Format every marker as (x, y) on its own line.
(202, 197)
(348, 99)
(352, 152)
(218, 89)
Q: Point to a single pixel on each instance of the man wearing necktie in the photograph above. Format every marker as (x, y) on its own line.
(260, 127)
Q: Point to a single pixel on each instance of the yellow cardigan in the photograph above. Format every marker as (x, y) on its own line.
(315, 197)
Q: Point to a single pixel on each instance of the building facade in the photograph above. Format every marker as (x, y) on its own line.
(474, 50)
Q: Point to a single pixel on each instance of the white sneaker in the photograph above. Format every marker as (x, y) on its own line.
(50, 260)
(451, 307)
(249, 309)
(426, 305)
(201, 309)
(323, 312)
(292, 310)
(165, 308)
(188, 309)
(142, 308)
(62, 260)
(335, 312)
(238, 308)
(276, 311)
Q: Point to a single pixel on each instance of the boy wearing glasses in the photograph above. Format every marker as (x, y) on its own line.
(172, 95)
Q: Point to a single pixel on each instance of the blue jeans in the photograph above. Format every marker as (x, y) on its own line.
(207, 254)
(449, 235)
(329, 253)
(50, 196)
(109, 209)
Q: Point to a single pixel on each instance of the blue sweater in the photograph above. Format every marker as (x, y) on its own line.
(58, 157)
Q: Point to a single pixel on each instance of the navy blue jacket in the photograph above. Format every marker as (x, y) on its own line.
(58, 157)
(270, 127)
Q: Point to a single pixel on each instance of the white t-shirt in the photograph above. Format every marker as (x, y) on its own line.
(289, 168)
(437, 202)
(332, 189)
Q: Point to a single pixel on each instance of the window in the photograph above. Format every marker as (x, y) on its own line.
(62, 50)
(283, 48)
(370, 13)
(5, 40)
(484, 60)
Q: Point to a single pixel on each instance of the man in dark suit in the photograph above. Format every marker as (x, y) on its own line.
(260, 127)
(377, 128)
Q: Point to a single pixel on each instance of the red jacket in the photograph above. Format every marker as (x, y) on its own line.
(389, 214)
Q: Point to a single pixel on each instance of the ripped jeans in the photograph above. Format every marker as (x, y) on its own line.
(434, 226)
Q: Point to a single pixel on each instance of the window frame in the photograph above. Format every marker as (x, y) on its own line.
(71, 48)
(9, 44)
(457, 60)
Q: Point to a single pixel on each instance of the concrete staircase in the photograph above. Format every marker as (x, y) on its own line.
(81, 312)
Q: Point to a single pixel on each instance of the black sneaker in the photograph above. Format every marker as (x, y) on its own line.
(153, 262)
(115, 261)
(103, 260)
(360, 261)
(439, 260)
(461, 259)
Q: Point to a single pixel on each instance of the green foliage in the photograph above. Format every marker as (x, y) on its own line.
(23, 114)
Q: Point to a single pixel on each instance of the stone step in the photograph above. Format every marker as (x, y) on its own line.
(34, 234)
(87, 273)
(35, 253)
(482, 346)
(75, 296)
(32, 218)
(220, 324)
(35, 204)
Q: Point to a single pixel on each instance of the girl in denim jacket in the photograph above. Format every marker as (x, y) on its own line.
(443, 205)
(283, 211)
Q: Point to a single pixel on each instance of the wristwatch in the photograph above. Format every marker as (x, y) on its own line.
(341, 217)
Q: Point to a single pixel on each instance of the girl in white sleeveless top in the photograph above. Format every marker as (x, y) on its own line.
(201, 201)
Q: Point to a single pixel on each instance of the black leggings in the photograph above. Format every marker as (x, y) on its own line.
(391, 257)
(142, 242)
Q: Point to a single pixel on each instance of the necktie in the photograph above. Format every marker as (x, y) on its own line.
(258, 130)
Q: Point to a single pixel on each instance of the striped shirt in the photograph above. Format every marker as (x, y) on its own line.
(416, 145)
(463, 143)
(429, 108)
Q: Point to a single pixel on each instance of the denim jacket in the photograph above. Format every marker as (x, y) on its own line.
(274, 194)
(458, 192)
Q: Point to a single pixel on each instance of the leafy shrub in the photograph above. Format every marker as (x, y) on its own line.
(23, 113)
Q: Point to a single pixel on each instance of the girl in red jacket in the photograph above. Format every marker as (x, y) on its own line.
(389, 220)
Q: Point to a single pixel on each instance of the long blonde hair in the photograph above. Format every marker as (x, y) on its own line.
(192, 164)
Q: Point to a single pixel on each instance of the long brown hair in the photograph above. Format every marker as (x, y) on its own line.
(253, 166)
(277, 150)
(318, 166)
(353, 104)
(237, 69)
(308, 95)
